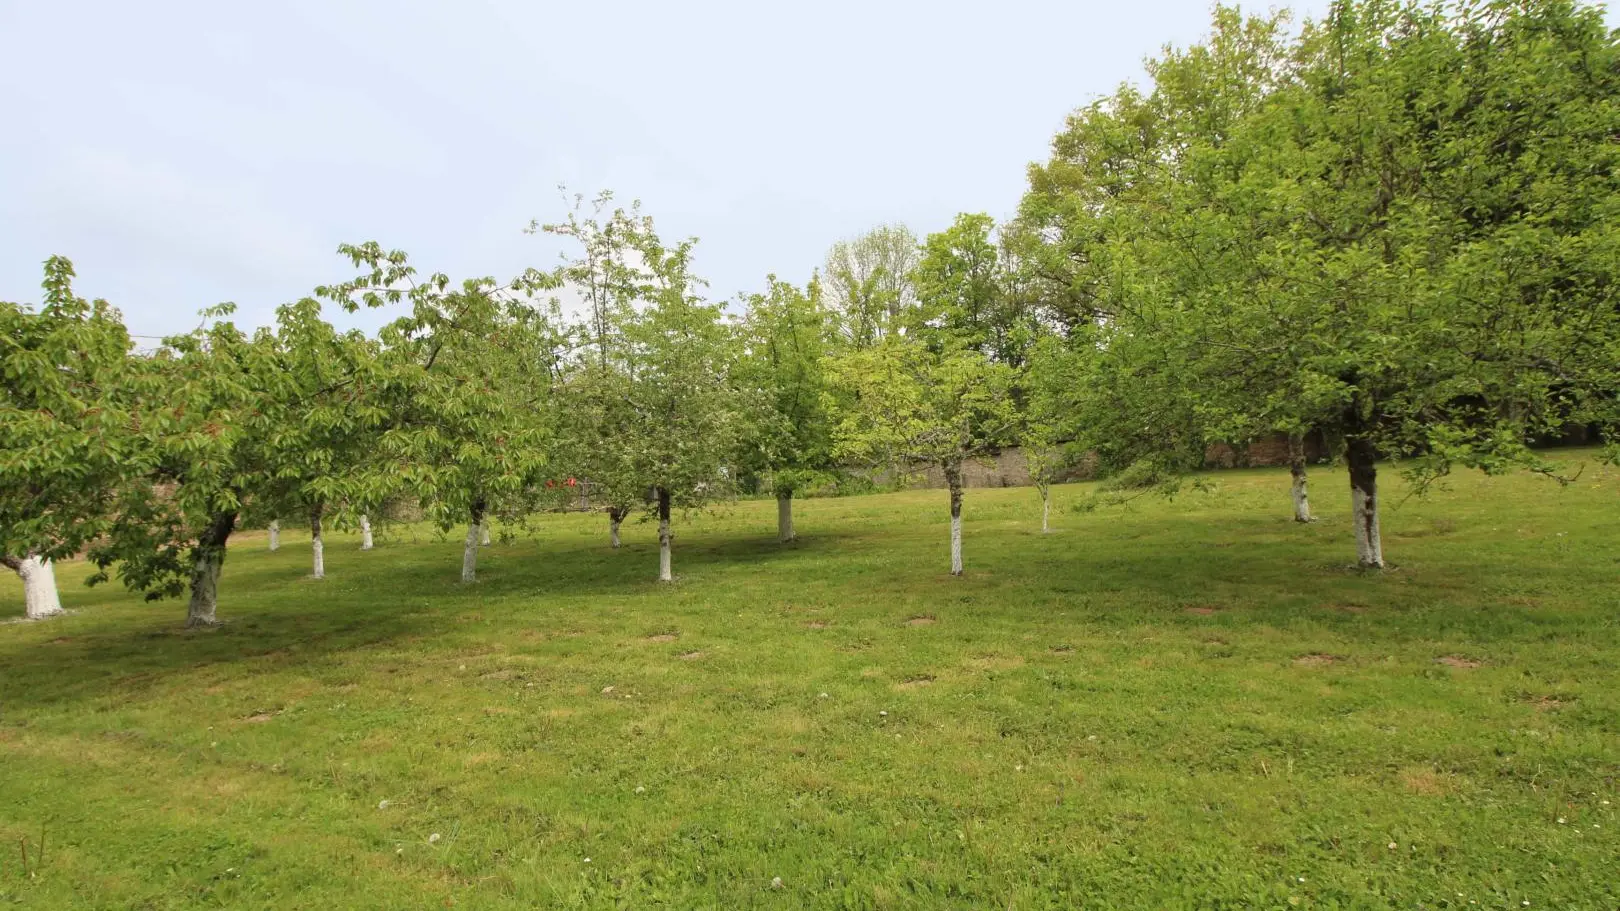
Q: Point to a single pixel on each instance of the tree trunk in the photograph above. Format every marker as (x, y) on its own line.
(784, 517)
(953, 477)
(208, 558)
(616, 515)
(275, 536)
(1361, 456)
(664, 537)
(40, 598)
(483, 534)
(316, 545)
(469, 552)
(365, 532)
(1046, 508)
(1296, 467)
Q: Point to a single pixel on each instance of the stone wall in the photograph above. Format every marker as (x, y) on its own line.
(1009, 468)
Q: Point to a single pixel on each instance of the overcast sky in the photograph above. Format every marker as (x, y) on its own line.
(184, 154)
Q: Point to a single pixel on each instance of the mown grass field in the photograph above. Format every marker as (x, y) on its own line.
(1192, 703)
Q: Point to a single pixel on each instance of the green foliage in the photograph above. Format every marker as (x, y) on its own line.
(67, 390)
(964, 298)
(467, 375)
(649, 401)
(785, 335)
(867, 281)
(902, 404)
(212, 403)
(1395, 227)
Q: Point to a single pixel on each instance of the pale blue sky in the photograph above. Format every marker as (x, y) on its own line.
(188, 153)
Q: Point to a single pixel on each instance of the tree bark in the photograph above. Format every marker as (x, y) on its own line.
(1046, 508)
(784, 517)
(953, 477)
(616, 515)
(365, 532)
(1296, 468)
(316, 545)
(1362, 458)
(483, 534)
(208, 558)
(40, 598)
(469, 552)
(664, 537)
(275, 536)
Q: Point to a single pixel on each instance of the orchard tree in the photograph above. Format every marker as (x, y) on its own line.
(1391, 236)
(1432, 193)
(683, 407)
(331, 428)
(236, 425)
(219, 395)
(1047, 432)
(67, 422)
(905, 406)
(787, 433)
(611, 279)
(469, 373)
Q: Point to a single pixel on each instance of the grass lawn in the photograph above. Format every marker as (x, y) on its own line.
(1192, 703)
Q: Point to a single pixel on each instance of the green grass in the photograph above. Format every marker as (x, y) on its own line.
(1113, 715)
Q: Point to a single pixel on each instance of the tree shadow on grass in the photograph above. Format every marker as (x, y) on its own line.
(119, 643)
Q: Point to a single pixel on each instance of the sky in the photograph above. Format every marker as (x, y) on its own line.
(185, 154)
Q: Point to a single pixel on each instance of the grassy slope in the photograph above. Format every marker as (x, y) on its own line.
(1073, 728)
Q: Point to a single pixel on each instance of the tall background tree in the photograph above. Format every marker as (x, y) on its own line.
(866, 280)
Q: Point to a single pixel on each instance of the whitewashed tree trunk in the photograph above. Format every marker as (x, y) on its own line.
(615, 516)
(365, 533)
(953, 477)
(469, 551)
(1364, 503)
(208, 560)
(1046, 508)
(40, 598)
(469, 555)
(483, 534)
(1296, 468)
(664, 537)
(784, 517)
(317, 546)
(275, 536)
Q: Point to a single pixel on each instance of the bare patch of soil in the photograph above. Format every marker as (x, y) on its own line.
(915, 682)
(817, 624)
(1202, 610)
(921, 620)
(258, 718)
(1459, 661)
(994, 662)
(1424, 781)
(692, 656)
(1063, 649)
(663, 637)
(1549, 703)
(1317, 659)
